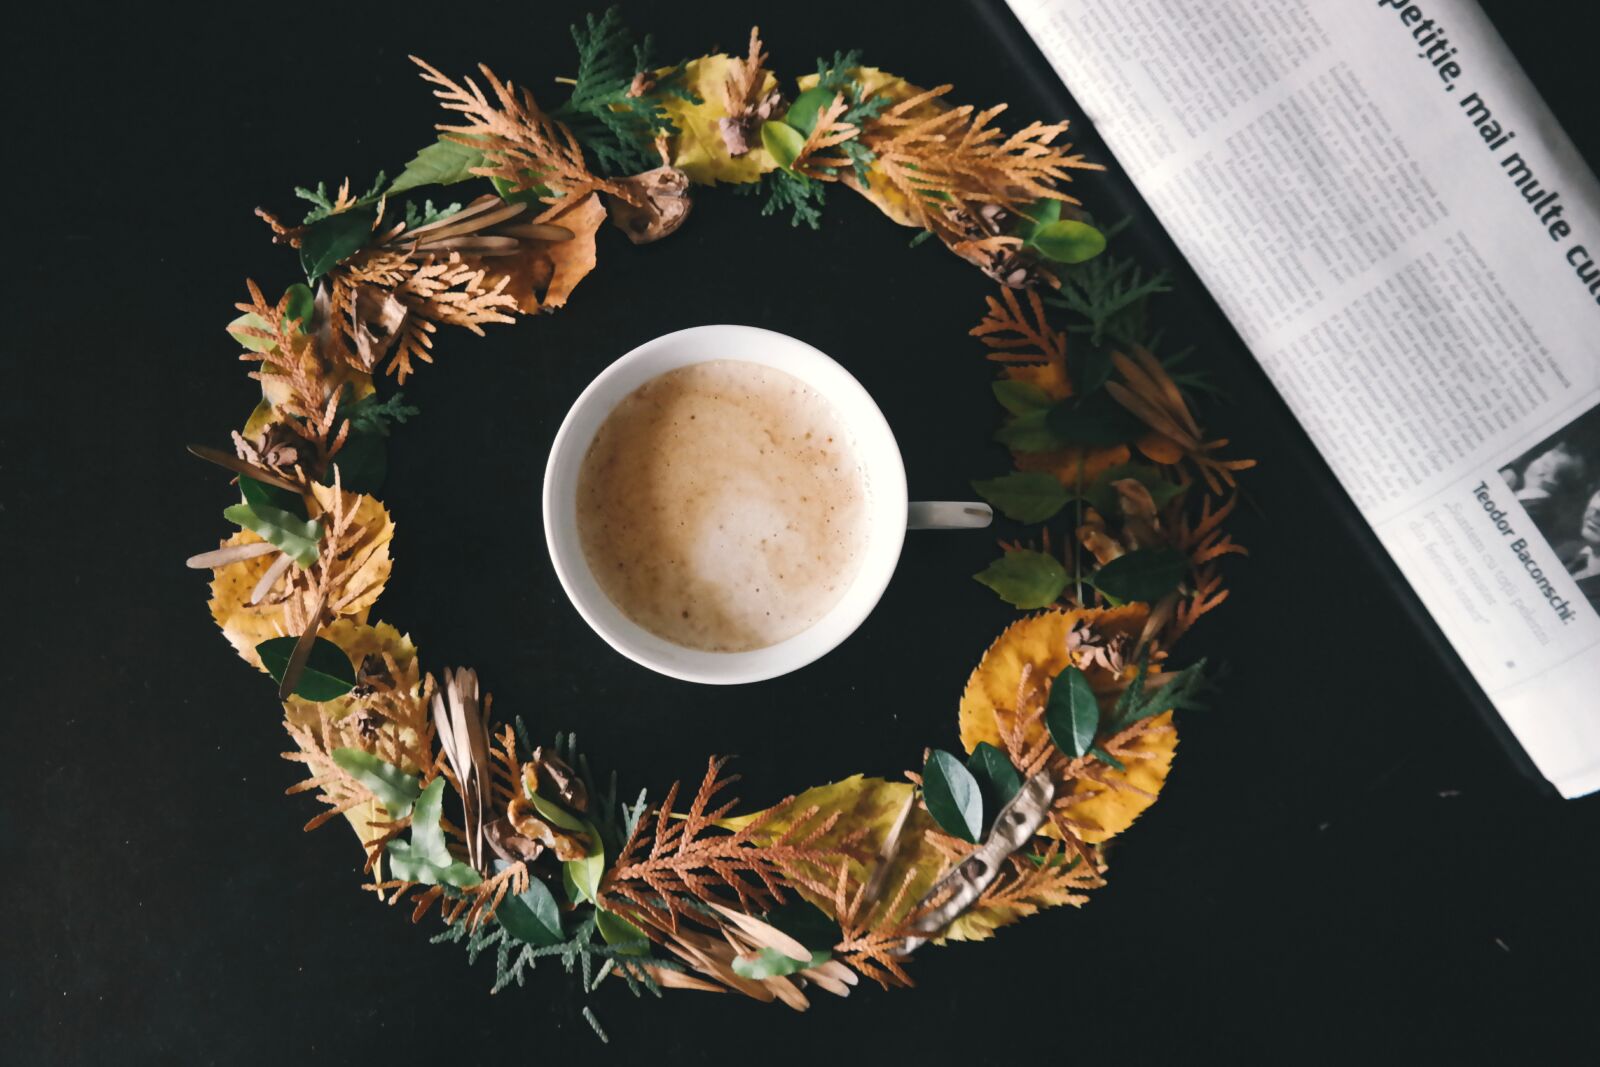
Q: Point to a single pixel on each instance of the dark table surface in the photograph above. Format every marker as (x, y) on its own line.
(1344, 862)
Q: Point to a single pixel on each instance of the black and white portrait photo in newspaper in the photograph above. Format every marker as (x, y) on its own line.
(1557, 482)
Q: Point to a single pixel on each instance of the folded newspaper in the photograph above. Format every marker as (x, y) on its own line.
(1394, 222)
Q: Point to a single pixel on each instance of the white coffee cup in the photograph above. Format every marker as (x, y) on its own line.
(888, 512)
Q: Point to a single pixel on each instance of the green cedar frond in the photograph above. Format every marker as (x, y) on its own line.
(1110, 292)
(367, 415)
(1180, 691)
(618, 129)
(427, 214)
(787, 191)
(324, 204)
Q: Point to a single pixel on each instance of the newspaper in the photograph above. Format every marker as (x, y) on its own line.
(1394, 222)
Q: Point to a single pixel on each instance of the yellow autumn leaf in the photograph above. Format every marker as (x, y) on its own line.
(358, 640)
(1040, 641)
(359, 563)
(244, 625)
(875, 82)
(697, 148)
(1100, 812)
(868, 807)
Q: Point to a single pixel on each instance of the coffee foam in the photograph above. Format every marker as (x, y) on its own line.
(722, 507)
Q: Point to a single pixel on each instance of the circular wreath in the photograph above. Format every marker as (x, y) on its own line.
(1068, 718)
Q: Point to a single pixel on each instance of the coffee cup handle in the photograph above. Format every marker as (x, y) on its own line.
(947, 515)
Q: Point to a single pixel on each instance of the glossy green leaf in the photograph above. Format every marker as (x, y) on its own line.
(260, 494)
(1067, 241)
(1039, 213)
(328, 672)
(552, 812)
(621, 934)
(1072, 714)
(328, 242)
(782, 141)
(1107, 758)
(1019, 398)
(362, 462)
(1029, 432)
(1102, 496)
(396, 790)
(1027, 496)
(952, 795)
(1025, 578)
(770, 963)
(997, 778)
(288, 532)
(1092, 419)
(532, 916)
(802, 114)
(1147, 574)
(441, 163)
(302, 304)
(512, 195)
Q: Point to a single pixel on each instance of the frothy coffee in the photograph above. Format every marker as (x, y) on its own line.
(722, 507)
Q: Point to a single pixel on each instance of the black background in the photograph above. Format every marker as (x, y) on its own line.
(1344, 862)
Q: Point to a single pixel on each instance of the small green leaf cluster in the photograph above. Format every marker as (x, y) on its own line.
(363, 459)
(964, 798)
(1029, 579)
(1074, 718)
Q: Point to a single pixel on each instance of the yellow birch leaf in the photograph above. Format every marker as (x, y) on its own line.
(245, 626)
(359, 640)
(868, 807)
(876, 82)
(697, 148)
(361, 560)
(1105, 811)
(1040, 641)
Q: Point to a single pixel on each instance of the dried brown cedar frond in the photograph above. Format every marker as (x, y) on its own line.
(667, 859)
(741, 93)
(828, 132)
(521, 144)
(950, 164)
(1026, 887)
(1150, 394)
(292, 364)
(1015, 336)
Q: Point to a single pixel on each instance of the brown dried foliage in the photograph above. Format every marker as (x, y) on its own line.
(1015, 336)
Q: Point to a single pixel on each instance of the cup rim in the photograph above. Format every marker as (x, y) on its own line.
(871, 437)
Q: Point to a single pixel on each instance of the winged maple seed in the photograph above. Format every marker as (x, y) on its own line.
(1150, 394)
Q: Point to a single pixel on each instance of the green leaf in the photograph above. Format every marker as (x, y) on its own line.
(441, 163)
(1030, 432)
(621, 934)
(260, 494)
(782, 141)
(327, 243)
(1039, 213)
(362, 462)
(1072, 714)
(1025, 578)
(581, 877)
(1019, 398)
(328, 672)
(288, 532)
(1092, 419)
(1027, 496)
(1068, 241)
(302, 305)
(1147, 574)
(396, 790)
(534, 194)
(802, 114)
(532, 916)
(952, 795)
(426, 858)
(1105, 757)
(1103, 497)
(997, 778)
(770, 963)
